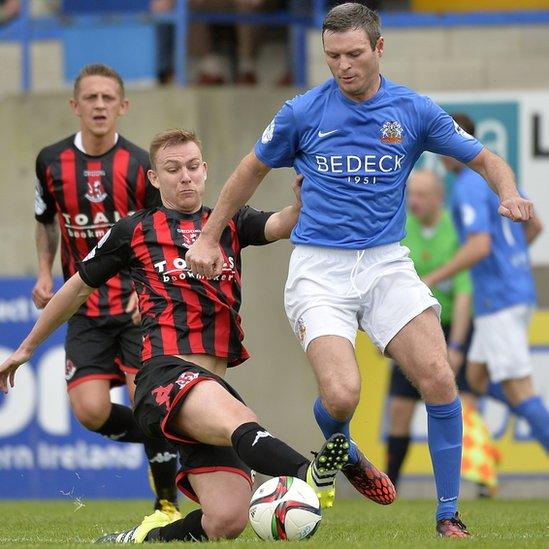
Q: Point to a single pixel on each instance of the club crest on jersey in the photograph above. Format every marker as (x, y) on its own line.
(96, 193)
(391, 132)
(189, 236)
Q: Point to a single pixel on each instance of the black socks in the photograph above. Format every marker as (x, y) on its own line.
(188, 528)
(265, 454)
(163, 461)
(121, 425)
(397, 447)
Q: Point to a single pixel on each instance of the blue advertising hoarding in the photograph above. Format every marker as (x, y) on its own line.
(44, 451)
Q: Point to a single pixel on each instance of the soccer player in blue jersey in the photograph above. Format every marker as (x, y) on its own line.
(355, 139)
(496, 250)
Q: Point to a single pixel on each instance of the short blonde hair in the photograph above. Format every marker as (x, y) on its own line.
(169, 138)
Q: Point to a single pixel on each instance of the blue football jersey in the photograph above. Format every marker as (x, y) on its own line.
(355, 159)
(503, 278)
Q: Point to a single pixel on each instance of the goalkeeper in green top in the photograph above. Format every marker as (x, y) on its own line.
(433, 241)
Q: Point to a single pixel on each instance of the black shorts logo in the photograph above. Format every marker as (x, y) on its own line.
(70, 369)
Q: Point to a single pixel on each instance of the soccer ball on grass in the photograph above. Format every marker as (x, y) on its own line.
(284, 508)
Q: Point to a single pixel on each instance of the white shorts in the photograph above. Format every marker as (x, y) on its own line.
(332, 291)
(500, 340)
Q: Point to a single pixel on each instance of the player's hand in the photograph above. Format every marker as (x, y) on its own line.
(9, 367)
(133, 308)
(204, 258)
(455, 358)
(42, 291)
(296, 187)
(516, 208)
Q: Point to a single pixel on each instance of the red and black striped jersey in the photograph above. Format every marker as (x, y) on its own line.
(88, 194)
(180, 312)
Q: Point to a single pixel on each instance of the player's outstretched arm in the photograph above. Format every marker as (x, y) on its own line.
(47, 239)
(279, 226)
(476, 247)
(204, 256)
(501, 179)
(60, 308)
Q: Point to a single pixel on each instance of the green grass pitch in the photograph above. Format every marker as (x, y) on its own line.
(498, 524)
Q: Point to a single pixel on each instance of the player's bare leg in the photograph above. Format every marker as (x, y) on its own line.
(420, 350)
(222, 517)
(335, 367)
(211, 415)
(91, 403)
(224, 499)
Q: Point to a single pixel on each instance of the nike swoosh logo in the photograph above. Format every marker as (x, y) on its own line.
(324, 134)
(444, 500)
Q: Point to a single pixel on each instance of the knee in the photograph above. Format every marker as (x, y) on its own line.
(225, 524)
(438, 384)
(341, 399)
(92, 415)
(242, 417)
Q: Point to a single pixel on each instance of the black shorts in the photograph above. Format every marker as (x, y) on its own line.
(401, 386)
(161, 387)
(101, 348)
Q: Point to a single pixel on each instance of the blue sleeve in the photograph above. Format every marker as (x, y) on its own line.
(278, 144)
(474, 208)
(444, 136)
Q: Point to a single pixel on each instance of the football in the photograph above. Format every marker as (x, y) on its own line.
(284, 508)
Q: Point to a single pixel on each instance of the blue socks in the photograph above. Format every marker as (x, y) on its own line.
(445, 433)
(328, 425)
(534, 412)
(495, 391)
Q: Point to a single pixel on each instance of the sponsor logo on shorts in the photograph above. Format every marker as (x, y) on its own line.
(391, 132)
(70, 369)
(184, 379)
(301, 330)
(163, 457)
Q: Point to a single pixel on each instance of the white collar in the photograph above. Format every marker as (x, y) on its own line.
(80, 146)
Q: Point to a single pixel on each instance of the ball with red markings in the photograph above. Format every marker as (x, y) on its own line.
(284, 508)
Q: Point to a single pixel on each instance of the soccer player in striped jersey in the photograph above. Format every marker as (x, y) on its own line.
(192, 333)
(355, 139)
(85, 183)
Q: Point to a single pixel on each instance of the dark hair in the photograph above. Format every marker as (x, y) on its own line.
(464, 121)
(169, 138)
(97, 69)
(352, 16)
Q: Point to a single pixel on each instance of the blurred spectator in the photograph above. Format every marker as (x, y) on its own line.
(211, 69)
(9, 9)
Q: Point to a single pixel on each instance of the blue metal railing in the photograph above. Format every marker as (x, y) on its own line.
(26, 29)
(301, 16)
